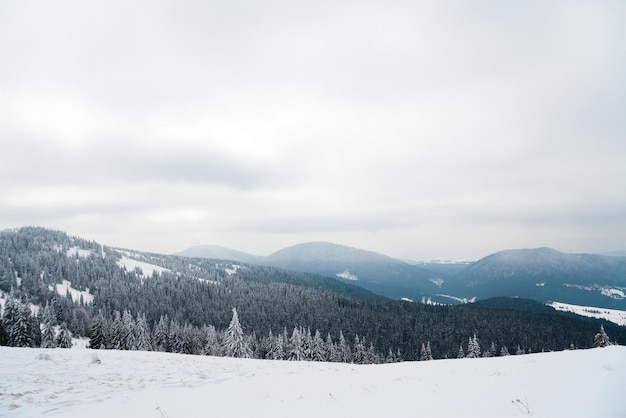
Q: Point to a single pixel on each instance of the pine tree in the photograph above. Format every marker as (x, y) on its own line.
(391, 358)
(343, 350)
(64, 339)
(295, 346)
(115, 332)
(331, 349)
(318, 351)
(601, 339)
(161, 332)
(211, 345)
(359, 355)
(47, 328)
(234, 341)
(142, 334)
(276, 347)
(504, 351)
(127, 332)
(97, 337)
(473, 348)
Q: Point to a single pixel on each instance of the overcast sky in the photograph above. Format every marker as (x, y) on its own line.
(418, 129)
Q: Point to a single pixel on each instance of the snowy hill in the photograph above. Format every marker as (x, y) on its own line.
(580, 383)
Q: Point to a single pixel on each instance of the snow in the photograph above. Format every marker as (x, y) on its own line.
(437, 281)
(613, 315)
(613, 293)
(579, 383)
(233, 270)
(347, 275)
(146, 268)
(71, 252)
(66, 285)
(460, 300)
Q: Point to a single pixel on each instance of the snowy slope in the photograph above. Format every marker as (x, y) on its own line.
(146, 268)
(613, 315)
(582, 383)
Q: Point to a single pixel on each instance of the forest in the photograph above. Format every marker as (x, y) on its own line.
(217, 307)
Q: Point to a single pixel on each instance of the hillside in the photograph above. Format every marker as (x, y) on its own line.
(185, 304)
(542, 274)
(579, 383)
(545, 274)
(375, 272)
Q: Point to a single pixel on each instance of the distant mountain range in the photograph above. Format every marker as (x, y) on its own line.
(542, 274)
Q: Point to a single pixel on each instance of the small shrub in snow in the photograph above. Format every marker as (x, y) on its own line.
(43, 356)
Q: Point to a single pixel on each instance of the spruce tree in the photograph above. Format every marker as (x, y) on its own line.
(97, 337)
(296, 352)
(47, 328)
(601, 339)
(234, 341)
(64, 339)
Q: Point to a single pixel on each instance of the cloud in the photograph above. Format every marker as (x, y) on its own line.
(395, 126)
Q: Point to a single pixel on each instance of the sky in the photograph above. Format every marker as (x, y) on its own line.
(418, 129)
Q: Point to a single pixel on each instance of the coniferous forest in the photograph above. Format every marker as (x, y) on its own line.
(217, 307)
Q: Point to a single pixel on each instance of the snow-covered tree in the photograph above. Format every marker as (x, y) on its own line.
(461, 352)
(344, 353)
(331, 349)
(425, 352)
(601, 339)
(64, 339)
(276, 347)
(296, 352)
(126, 339)
(359, 352)
(318, 349)
(115, 331)
(211, 344)
(491, 351)
(18, 324)
(234, 341)
(97, 337)
(504, 351)
(47, 327)
(161, 333)
(141, 338)
(473, 348)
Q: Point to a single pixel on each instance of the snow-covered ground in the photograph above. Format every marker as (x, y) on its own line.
(146, 268)
(65, 286)
(613, 315)
(581, 383)
(73, 251)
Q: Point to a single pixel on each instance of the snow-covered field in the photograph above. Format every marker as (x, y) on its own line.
(146, 268)
(581, 383)
(613, 315)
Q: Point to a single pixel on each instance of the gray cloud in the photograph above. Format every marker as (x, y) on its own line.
(408, 128)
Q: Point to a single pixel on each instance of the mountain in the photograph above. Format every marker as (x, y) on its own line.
(545, 274)
(97, 290)
(220, 253)
(542, 274)
(375, 272)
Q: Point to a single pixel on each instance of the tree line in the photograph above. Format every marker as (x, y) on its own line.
(191, 295)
